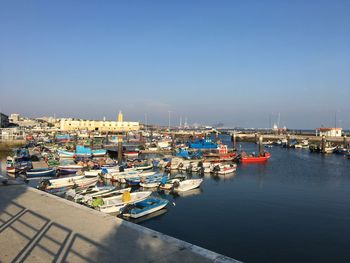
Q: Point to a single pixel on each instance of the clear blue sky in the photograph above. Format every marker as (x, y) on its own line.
(236, 62)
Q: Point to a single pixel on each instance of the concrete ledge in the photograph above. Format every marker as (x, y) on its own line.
(104, 233)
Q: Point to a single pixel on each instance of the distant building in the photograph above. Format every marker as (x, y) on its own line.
(23, 122)
(101, 126)
(14, 118)
(4, 120)
(329, 132)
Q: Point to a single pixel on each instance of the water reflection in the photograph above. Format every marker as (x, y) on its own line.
(189, 193)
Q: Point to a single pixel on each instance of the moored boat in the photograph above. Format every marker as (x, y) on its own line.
(187, 185)
(40, 172)
(115, 203)
(145, 207)
(255, 158)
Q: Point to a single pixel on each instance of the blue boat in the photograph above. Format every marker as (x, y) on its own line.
(202, 144)
(133, 181)
(145, 207)
(182, 153)
(81, 151)
(40, 172)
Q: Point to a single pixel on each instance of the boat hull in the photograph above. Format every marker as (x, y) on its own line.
(40, 173)
(255, 159)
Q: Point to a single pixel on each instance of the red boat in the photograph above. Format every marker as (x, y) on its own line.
(220, 154)
(254, 158)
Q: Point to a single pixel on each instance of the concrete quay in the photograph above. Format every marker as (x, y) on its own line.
(39, 227)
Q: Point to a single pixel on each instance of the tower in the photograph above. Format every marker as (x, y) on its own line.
(120, 117)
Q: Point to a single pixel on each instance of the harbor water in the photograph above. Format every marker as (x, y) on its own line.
(295, 207)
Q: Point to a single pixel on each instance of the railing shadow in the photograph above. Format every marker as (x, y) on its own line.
(39, 237)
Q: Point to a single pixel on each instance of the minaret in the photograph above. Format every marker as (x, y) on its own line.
(120, 117)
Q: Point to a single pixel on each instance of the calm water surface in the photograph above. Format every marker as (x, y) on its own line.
(294, 208)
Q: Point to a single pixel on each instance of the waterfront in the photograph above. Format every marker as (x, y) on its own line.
(294, 207)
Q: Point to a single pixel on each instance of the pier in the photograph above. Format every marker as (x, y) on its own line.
(39, 227)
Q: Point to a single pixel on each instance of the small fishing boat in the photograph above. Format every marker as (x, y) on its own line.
(10, 165)
(302, 144)
(61, 185)
(134, 181)
(40, 172)
(121, 176)
(99, 152)
(115, 203)
(175, 162)
(92, 200)
(15, 165)
(69, 169)
(145, 166)
(145, 207)
(224, 169)
(169, 184)
(65, 154)
(153, 181)
(80, 196)
(150, 184)
(342, 150)
(187, 185)
(329, 149)
(131, 154)
(221, 155)
(255, 158)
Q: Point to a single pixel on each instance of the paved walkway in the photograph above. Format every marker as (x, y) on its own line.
(39, 227)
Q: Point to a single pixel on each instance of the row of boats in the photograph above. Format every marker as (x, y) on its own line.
(108, 199)
(80, 174)
(328, 147)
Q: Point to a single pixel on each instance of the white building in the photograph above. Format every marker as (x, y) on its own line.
(101, 126)
(329, 132)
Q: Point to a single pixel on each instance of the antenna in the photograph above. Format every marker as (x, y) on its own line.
(146, 121)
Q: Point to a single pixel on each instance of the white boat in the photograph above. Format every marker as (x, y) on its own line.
(123, 177)
(267, 143)
(65, 180)
(187, 185)
(169, 185)
(64, 184)
(175, 162)
(226, 169)
(89, 199)
(184, 165)
(144, 167)
(329, 149)
(86, 194)
(302, 144)
(150, 184)
(92, 173)
(115, 203)
(115, 175)
(145, 207)
(65, 154)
